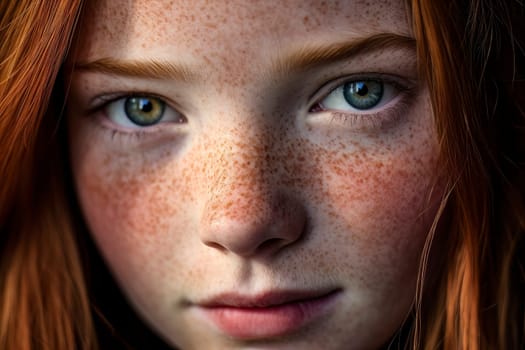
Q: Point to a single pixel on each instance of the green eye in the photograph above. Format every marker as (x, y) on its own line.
(144, 111)
(363, 94)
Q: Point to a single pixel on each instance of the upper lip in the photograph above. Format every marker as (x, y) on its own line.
(264, 299)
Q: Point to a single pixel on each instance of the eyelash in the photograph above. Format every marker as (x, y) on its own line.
(367, 119)
(371, 121)
(102, 120)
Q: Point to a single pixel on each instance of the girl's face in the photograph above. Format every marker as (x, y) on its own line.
(257, 175)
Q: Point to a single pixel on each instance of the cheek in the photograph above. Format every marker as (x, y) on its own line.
(378, 190)
(375, 205)
(129, 208)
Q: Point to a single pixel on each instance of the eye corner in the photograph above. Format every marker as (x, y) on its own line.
(316, 108)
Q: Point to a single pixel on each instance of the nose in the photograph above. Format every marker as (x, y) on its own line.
(248, 212)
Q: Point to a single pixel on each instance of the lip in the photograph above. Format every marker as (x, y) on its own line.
(266, 315)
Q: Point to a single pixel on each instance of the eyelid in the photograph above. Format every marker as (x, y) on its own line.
(402, 84)
(374, 119)
(101, 100)
(99, 105)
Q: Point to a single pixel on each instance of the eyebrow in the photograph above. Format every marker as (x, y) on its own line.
(310, 57)
(300, 60)
(150, 69)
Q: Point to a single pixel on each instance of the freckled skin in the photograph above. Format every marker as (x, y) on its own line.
(247, 196)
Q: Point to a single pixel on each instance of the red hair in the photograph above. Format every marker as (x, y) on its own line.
(43, 299)
(469, 54)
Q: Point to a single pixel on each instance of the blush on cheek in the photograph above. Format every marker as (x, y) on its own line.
(377, 201)
(129, 208)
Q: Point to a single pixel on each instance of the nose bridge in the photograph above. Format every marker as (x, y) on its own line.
(239, 175)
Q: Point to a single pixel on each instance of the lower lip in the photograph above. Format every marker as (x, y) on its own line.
(268, 322)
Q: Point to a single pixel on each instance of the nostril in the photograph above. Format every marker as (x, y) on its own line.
(271, 244)
(215, 245)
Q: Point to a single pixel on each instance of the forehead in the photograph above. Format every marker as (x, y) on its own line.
(132, 28)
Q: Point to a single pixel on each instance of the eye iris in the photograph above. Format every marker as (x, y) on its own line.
(144, 111)
(363, 94)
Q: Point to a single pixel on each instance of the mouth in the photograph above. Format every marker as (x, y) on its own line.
(266, 315)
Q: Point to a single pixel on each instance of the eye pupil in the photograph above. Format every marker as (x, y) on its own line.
(360, 88)
(144, 111)
(145, 106)
(363, 94)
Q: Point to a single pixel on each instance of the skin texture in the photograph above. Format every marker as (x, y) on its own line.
(248, 189)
